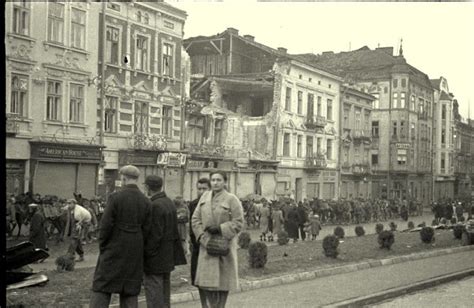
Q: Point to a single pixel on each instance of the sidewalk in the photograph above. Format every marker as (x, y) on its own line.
(331, 289)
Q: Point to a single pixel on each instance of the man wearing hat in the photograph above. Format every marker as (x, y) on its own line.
(124, 226)
(37, 227)
(78, 218)
(163, 249)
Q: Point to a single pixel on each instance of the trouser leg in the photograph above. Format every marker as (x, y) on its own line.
(79, 249)
(221, 298)
(99, 300)
(157, 290)
(128, 301)
(203, 298)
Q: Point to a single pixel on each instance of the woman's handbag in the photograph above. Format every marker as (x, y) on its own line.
(218, 246)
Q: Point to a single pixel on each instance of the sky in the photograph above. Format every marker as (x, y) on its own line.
(438, 38)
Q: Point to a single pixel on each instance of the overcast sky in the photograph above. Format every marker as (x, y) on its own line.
(438, 38)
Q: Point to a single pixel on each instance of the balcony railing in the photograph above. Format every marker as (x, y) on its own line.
(316, 162)
(11, 125)
(315, 121)
(208, 150)
(363, 135)
(361, 168)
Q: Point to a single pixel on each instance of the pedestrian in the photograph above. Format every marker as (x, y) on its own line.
(163, 247)
(203, 185)
(125, 224)
(218, 218)
(37, 227)
(291, 224)
(264, 218)
(77, 219)
(302, 219)
(315, 226)
(277, 219)
(182, 213)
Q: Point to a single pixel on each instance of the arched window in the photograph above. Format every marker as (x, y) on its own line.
(139, 16)
(146, 19)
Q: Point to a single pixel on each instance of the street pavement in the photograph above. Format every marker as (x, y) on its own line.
(330, 289)
(455, 294)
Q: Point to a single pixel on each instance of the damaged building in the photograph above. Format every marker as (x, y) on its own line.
(265, 117)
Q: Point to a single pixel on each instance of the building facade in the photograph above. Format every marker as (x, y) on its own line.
(401, 116)
(139, 115)
(51, 58)
(443, 141)
(355, 158)
(274, 117)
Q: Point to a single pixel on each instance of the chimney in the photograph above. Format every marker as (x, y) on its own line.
(282, 50)
(233, 31)
(249, 37)
(387, 50)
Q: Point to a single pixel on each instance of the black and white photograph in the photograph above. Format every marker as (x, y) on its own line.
(239, 153)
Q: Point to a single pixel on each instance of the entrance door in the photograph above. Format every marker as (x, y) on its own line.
(15, 177)
(298, 189)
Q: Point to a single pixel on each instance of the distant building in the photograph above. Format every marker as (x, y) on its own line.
(268, 118)
(443, 141)
(401, 118)
(51, 58)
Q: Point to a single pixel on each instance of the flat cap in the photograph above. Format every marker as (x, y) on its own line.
(130, 170)
(154, 180)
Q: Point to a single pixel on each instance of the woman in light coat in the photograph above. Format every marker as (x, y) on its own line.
(218, 212)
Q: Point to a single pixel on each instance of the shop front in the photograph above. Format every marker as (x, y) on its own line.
(61, 169)
(322, 184)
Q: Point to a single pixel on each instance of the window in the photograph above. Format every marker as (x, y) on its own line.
(146, 19)
(113, 6)
(310, 111)
(385, 90)
(443, 112)
(394, 128)
(421, 105)
(21, 17)
(402, 128)
(329, 149)
(53, 102)
(288, 99)
(412, 128)
(329, 109)
(366, 122)
(376, 102)
(395, 100)
(141, 53)
(358, 123)
(110, 121)
(139, 16)
(443, 162)
(375, 159)
(300, 76)
(404, 82)
(309, 146)
(413, 107)
(76, 103)
(19, 95)
(402, 100)
(375, 128)
(346, 117)
(168, 60)
(319, 106)
(112, 45)
(402, 156)
(166, 121)
(318, 145)
(395, 83)
(443, 136)
(218, 131)
(141, 118)
(195, 131)
(299, 146)
(286, 144)
(56, 22)
(168, 24)
(300, 102)
(78, 28)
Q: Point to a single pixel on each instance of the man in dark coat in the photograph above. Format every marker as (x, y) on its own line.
(163, 249)
(125, 224)
(37, 228)
(291, 223)
(302, 219)
(203, 185)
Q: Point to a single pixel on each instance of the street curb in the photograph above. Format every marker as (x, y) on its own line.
(291, 278)
(400, 291)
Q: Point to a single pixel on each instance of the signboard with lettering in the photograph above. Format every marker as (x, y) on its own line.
(143, 158)
(171, 159)
(66, 152)
(403, 145)
(196, 164)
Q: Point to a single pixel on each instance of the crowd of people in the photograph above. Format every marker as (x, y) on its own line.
(452, 208)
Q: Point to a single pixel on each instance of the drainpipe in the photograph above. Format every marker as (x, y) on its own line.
(389, 138)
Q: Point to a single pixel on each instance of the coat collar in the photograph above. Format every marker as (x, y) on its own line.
(131, 186)
(159, 195)
(216, 195)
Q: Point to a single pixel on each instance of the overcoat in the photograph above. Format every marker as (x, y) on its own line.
(163, 249)
(277, 217)
(222, 209)
(124, 225)
(315, 225)
(291, 224)
(264, 217)
(37, 231)
(194, 244)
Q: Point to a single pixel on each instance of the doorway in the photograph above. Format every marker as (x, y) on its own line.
(298, 189)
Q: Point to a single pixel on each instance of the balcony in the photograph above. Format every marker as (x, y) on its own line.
(11, 125)
(346, 167)
(316, 162)
(206, 150)
(361, 168)
(362, 135)
(315, 121)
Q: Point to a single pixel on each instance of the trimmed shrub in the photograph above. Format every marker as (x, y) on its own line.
(462, 219)
(283, 238)
(443, 221)
(434, 222)
(244, 240)
(339, 232)
(458, 230)
(258, 252)
(378, 228)
(427, 234)
(393, 226)
(330, 244)
(359, 231)
(453, 220)
(386, 239)
(411, 225)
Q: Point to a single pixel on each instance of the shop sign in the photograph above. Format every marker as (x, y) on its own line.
(66, 152)
(137, 158)
(171, 159)
(196, 164)
(403, 145)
